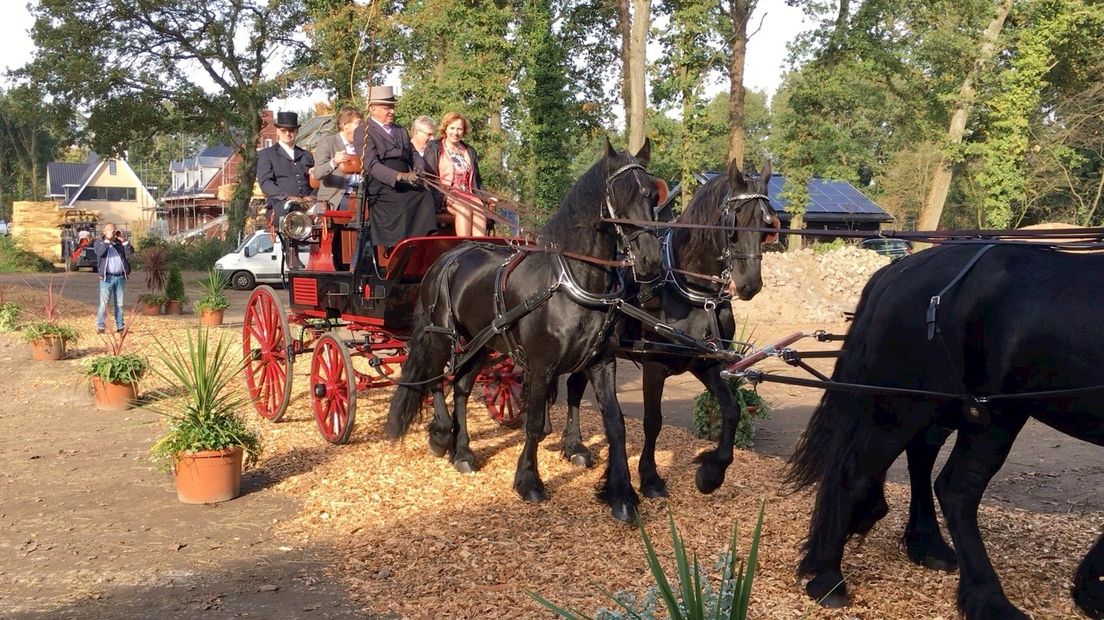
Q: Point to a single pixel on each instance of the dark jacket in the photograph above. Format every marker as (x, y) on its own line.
(122, 247)
(386, 155)
(281, 176)
(432, 166)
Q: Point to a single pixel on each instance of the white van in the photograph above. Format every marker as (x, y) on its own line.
(257, 259)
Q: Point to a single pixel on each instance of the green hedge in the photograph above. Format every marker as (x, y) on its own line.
(196, 255)
(14, 258)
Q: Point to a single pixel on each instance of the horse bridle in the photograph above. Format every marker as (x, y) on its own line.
(626, 239)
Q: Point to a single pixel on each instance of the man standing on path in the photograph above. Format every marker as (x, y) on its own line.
(112, 252)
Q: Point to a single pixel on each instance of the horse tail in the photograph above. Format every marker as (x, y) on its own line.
(420, 366)
(406, 403)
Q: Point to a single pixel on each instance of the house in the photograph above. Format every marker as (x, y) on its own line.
(202, 186)
(105, 185)
(833, 205)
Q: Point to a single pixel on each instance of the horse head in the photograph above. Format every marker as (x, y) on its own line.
(634, 194)
(731, 201)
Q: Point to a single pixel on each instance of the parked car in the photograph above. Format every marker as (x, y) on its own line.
(888, 246)
(257, 259)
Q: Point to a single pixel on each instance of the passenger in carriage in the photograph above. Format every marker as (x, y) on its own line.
(400, 206)
(338, 163)
(456, 164)
(283, 172)
(421, 133)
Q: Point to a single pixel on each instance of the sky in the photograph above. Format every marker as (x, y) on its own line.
(763, 70)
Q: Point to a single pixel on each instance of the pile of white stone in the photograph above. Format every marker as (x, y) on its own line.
(810, 287)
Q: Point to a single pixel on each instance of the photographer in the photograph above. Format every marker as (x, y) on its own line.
(112, 252)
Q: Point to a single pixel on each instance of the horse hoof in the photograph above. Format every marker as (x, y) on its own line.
(624, 513)
(706, 484)
(827, 592)
(465, 467)
(582, 459)
(437, 451)
(943, 564)
(534, 496)
(655, 490)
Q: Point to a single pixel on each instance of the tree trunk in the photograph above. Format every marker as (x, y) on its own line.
(247, 176)
(624, 24)
(641, 21)
(739, 12)
(493, 158)
(941, 180)
(839, 32)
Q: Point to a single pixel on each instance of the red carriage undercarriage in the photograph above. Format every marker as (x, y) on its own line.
(349, 303)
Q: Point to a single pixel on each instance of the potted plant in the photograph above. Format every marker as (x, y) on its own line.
(151, 303)
(46, 337)
(207, 442)
(174, 292)
(707, 413)
(114, 376)
(153, 259)
(213, 302)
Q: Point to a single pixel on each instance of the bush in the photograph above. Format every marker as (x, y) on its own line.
(830, 246)
(174, 287)
(197, 255)
(14, 258)
(9, 315)
(694, 598)
(707, 414)
(124, 368)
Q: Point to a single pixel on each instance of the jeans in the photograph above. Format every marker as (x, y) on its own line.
(111, 286)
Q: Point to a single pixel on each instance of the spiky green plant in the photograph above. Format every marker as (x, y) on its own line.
(694, 599)
(208, 418)
(213, 293)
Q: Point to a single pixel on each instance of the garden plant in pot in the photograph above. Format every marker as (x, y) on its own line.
(47, 337)
(213, 302)
(706, 422)
(207, 442)
(174, 292)
(153, 260)
(114, 376)
(9, 314)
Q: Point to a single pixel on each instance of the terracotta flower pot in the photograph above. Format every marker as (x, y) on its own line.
(174, 307)
(113, 395)
(211, 318)
(209, 476)
(50, 347)
(151, 309)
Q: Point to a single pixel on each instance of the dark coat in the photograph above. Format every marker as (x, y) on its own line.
(432, 166)
(281, 176)
(398, 210)
(122, 247)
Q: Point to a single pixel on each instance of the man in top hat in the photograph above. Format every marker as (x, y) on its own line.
(400, 206)
(283, 171)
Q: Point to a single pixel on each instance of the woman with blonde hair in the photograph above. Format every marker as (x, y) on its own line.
(457, 165)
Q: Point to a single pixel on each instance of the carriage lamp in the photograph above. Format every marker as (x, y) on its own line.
(297, 225)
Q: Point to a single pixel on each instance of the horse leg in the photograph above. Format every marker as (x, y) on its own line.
(441, 438)
(923, 540)
(849, 496)
(651, 483)
(1088, 581)
(714, 463)
(617, 491)
(463, 459)
(978, 454)
(574, 449)
(527, 480)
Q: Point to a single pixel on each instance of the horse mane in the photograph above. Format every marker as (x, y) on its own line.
(706, 208)
(582, 207)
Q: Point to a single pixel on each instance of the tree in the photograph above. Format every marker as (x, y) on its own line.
(143, 68)
(33, 129)
(941, 179)
(637, 72)
(738, 13)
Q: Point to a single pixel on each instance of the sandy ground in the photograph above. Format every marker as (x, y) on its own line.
(90, 529)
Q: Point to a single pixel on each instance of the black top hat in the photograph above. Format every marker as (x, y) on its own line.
(287, 120)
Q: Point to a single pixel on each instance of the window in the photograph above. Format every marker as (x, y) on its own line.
(114, 194)
(111, 167)
(261, 244)
(268, 142)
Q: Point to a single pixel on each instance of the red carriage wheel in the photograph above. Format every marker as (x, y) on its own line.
(502, 393)
(333, 389)
(268, 361)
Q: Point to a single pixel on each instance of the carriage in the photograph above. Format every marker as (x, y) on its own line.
(348, 302)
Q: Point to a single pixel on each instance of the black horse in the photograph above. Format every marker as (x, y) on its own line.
(696, 306)
(992, 337)
(567, 320)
